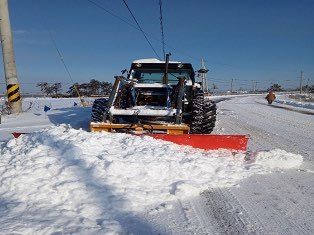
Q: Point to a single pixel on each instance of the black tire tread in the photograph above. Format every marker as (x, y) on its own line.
(203, 114)
(196, 125)
(209, 120)
(98, 110)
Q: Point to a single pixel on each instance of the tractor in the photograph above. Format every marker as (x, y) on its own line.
(155, 97)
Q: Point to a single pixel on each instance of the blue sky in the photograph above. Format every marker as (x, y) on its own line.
(264, 40)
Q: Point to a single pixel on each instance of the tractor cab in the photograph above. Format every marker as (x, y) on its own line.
(152, 71)
(153, 86)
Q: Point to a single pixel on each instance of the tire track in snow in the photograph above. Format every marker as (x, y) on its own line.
(259, 136)
(281, 117)
(270, 200)
(266, 111)
(280, 120)
(237, 215)
(228, 215)
(242, 124)
(284, 212)
(277, 202)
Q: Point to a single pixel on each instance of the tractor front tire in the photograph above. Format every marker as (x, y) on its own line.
(99, 109)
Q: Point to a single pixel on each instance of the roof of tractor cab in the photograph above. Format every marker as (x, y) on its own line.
(153, 60)
(158, 64)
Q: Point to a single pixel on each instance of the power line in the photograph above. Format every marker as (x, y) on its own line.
(133, 26)
(155, 38)
(162, 29)
(59, 54)
(113, 14)
(140, 28)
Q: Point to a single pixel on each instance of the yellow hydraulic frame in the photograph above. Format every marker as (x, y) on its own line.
(140, 128)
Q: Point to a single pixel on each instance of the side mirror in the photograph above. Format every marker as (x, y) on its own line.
(124, 71)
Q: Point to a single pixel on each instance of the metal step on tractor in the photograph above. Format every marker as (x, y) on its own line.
(163, 100)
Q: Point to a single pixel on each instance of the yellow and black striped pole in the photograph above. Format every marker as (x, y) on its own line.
(13, 89)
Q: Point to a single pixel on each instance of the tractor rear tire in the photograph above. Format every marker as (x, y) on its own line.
(209, 118)
(99, 109)
(196, 125)
(203, 114)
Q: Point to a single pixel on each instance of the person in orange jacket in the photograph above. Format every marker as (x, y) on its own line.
(270, 97)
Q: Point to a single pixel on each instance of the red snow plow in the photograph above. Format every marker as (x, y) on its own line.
(163, 100)
(236, 143)
(178, 134)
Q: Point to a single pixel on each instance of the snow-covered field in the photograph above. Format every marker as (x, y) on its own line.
(63, 179)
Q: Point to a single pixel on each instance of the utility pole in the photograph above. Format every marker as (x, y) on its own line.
(307, 85)
(203, 76)
(301, 82)
(231, 85)
(253, 86)
(11, 79)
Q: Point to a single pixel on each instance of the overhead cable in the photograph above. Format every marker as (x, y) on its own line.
(135, 27)
(113, 14)
(140, 28)
(59, 53)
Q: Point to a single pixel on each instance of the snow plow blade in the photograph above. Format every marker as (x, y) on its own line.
(235, 143)
(17, 134)
(178, 134)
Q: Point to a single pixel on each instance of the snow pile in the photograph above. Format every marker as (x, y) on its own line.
(278, 159)
(284, 99)
(71, 181)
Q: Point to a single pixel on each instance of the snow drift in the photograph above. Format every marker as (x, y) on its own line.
(71, 181)
(299, 102)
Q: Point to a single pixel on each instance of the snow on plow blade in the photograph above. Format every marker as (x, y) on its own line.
(237, 143)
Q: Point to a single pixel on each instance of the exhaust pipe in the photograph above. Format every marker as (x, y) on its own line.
(165, 78)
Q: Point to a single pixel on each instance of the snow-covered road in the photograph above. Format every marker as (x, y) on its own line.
(279, 203)
(270, 126)
(67, 180)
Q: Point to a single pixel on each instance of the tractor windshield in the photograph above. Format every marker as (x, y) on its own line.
(153, 76)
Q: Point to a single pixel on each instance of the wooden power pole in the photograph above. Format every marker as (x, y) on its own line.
(13, 88)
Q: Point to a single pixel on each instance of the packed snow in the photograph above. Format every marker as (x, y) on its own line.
(67, 180)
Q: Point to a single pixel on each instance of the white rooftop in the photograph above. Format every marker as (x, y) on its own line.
(153, 60)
